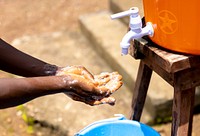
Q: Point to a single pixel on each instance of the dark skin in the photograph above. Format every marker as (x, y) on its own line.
(40, 78)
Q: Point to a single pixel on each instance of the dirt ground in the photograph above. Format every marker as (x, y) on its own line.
(30, 17)
(22, 17)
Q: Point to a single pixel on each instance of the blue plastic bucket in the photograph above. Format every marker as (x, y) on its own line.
(119, 126)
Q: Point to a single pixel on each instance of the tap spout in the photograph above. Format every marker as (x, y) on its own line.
(135, 24)
(135, 34)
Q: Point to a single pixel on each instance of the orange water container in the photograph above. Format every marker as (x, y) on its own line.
(176, 24)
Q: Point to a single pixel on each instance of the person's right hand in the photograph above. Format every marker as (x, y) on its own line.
(77, 70)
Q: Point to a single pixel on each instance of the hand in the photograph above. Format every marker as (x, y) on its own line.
(91, 100)
(78, 70)
(92, 90)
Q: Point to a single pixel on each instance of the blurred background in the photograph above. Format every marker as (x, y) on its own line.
(49, 30)
(26, 17)
(76, 32)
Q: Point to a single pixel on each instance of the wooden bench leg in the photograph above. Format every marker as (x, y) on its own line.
(140, 91)
(182, 114)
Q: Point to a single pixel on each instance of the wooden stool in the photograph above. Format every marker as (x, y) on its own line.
(180, 71)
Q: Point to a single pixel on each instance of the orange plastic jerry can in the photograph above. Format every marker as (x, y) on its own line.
(176, 24)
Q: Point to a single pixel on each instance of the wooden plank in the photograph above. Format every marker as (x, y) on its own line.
(168, 77)
(188, 78)
(171, 62)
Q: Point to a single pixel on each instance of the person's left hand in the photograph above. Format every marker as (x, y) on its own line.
(109, 82)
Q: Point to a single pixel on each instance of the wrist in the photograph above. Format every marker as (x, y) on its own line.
(50, 70)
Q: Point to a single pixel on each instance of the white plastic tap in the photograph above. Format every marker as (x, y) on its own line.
(136, 30)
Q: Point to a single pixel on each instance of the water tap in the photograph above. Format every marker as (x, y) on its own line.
(136, 30)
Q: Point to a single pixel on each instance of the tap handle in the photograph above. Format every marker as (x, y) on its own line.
(131, 11)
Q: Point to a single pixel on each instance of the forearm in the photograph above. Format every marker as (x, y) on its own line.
(20, 63)
(17, 91)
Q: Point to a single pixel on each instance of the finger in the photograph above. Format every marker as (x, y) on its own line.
(102, 82)
(86, 73)
(107, 100)
(115, 83)
(102, 90)
(78, 70)
(91, 100)
(105, 77)
(102, 75)
(114, 87)
(86, 100)
(81, 86)
(77, 97)
(109, 82)
(75, 82)
(102, 78)
(115, 76)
